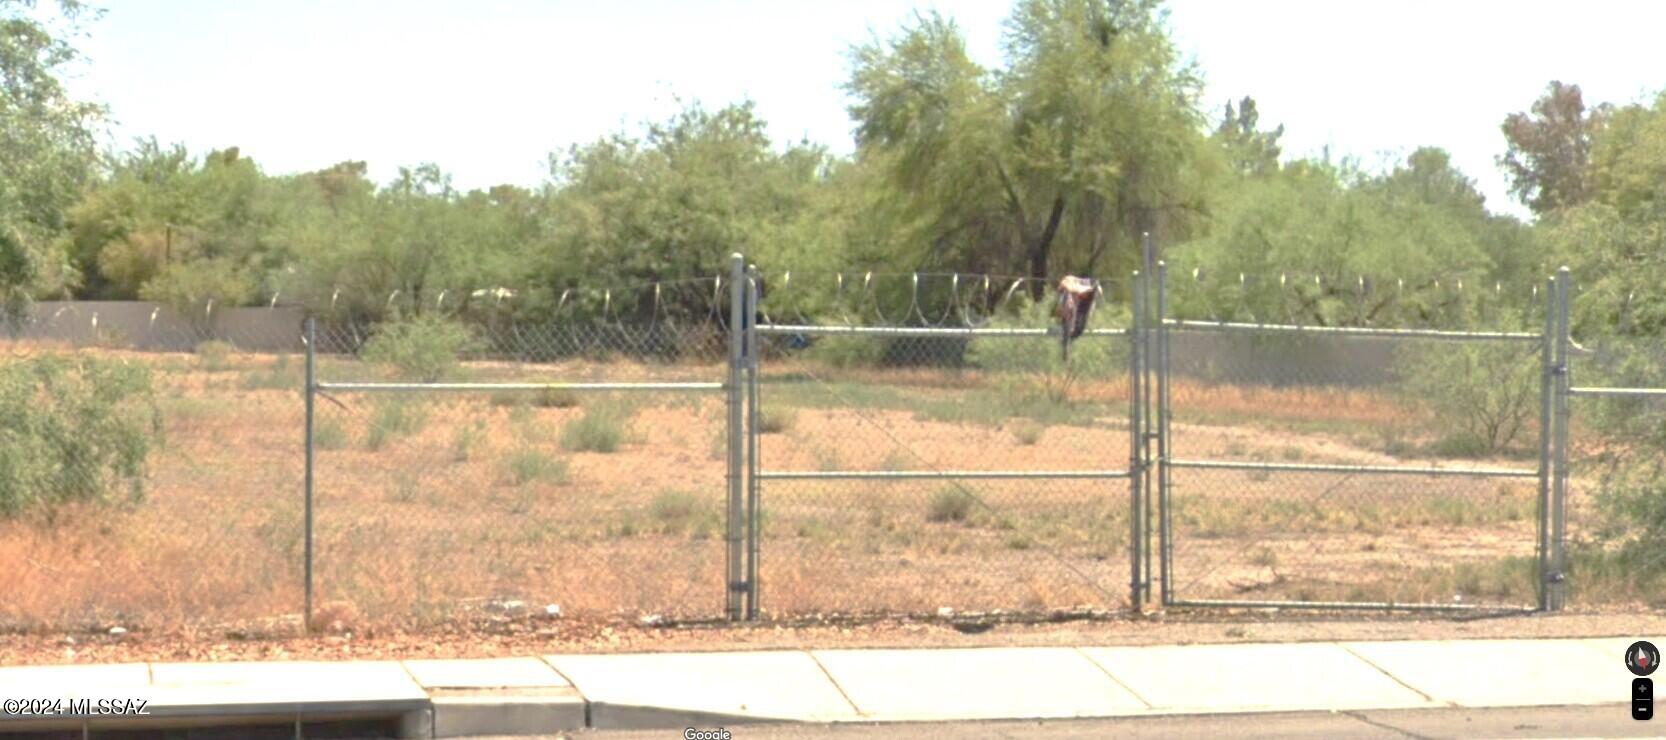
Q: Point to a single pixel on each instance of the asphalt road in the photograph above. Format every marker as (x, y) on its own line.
(1533, 722)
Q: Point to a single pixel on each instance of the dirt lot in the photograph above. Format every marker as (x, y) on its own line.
(432, 510)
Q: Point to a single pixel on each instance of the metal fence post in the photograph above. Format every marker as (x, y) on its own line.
(1136, 433)
(1556, 580)
(1163, 536)
(1548, 378)
(1148, 360)
(311, 340)
(753, 352)
(732, 585)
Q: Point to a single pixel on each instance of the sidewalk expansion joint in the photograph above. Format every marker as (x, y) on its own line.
(835, 682)
(1394, 678)
(1114, 679)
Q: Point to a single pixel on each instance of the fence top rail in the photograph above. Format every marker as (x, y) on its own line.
(1362, 469)
(940, 474)
(1593, 391)
(489, 387)
(912, 331)
(1353, 330)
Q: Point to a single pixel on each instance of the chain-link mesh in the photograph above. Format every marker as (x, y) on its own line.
(999, 400)
(1617, 460)
(1284, 446)
(435, 504)
(152, 468)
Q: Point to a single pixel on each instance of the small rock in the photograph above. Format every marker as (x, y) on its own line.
(118, 631)
(651, 619)
(552, 611)
(946, 612)
(69, 639)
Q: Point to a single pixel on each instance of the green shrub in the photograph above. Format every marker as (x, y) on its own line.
(837, 351)
(74, 430)
(1027, 432)
(597, 430)
(776, 419)
(1484, 395)
(677, 512)
(949, 505)
(212, 354)
(1462, 445)
(530, 464)
(280, 376)
(424, 349)
(393, 419)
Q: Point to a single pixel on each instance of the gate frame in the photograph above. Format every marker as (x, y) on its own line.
(1551, 471)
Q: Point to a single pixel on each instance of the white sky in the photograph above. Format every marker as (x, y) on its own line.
(487, 89)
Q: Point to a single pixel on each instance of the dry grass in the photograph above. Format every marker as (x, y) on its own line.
(465, 499)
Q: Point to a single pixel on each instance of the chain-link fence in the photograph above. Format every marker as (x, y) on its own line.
(881, 444)
(1361, 468)
(149, 468)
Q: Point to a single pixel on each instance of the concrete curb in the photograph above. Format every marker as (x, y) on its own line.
(563, 693)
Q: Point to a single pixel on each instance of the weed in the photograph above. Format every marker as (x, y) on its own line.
(1027, 432)
(1293, 453)
(598, 430)
(466, 439)
(776, 419)
(393, 419)
(213, 354)
(679, 512)
(949, 505)
(529, 465)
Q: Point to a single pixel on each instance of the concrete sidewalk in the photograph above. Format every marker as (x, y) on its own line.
(510, 696)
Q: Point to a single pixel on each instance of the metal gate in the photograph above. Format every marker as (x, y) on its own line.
(1304, 466)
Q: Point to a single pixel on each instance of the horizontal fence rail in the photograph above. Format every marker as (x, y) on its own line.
(909, 331)
(487, 387)
(1359, 469)
(943, 474)
(1634, 392)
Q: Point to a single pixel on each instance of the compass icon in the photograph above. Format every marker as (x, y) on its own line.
(1642, 658)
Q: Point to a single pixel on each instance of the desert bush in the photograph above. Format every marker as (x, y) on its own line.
(949, 505)
(1027, 432)
(529, 464)
(74, 430)
(837, 351)
(776, 419)
(597, 430)
(424, 349)
(677, 512)
(392, 419)
(1476, 395)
